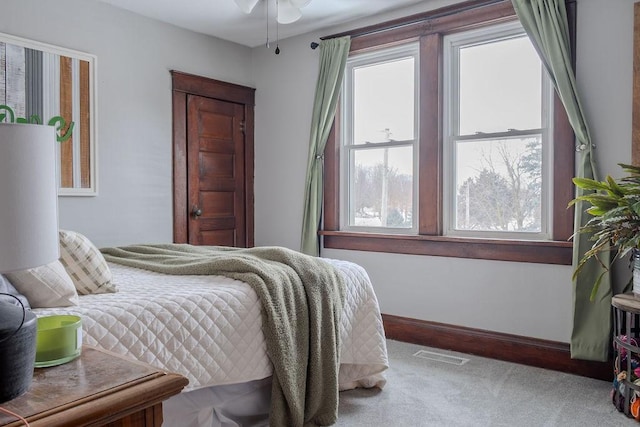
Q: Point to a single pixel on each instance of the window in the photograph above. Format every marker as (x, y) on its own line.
(465, 152)
(497, 144)
(379, 149)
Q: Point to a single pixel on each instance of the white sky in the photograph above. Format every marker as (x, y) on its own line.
(384, 97)
(496, 90)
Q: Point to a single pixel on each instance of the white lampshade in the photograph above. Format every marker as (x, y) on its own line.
(28, 196)
(246, 5)
(287, 13)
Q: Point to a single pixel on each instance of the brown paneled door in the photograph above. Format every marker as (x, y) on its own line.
(213, 125)
(215, 172)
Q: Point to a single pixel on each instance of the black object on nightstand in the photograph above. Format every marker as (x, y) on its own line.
(17, 350)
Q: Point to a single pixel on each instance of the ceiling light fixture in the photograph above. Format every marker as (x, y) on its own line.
(288, 11)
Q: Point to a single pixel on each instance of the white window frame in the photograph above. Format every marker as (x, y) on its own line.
(452, 44)
(347, 149)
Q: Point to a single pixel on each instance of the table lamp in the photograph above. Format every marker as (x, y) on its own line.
(28, 238)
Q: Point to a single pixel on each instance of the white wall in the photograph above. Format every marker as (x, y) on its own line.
(135, 55)
(605, 73)
(518, 298)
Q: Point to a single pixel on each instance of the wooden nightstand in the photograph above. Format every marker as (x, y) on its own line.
(97, 389)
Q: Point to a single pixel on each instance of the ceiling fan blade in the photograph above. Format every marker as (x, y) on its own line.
(287, 13)
(300, 3)
(246, 5)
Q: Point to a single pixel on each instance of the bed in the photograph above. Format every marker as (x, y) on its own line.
(209, 328)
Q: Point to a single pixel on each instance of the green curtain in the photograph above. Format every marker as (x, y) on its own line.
(545, 22)
(333, 59)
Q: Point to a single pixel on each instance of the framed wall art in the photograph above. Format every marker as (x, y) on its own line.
(54, 86)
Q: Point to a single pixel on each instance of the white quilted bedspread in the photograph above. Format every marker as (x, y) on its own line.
(209, 328)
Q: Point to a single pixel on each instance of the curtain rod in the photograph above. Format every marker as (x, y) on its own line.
(412, 19)
(419, 17)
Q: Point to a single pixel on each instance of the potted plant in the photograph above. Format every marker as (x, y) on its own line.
(615, 226)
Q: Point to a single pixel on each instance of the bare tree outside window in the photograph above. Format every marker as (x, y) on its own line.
(376, 207)
(505, 193)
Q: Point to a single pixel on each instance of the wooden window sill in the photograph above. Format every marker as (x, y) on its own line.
(543, 252)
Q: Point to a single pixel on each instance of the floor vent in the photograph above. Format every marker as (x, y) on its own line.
(439, 357)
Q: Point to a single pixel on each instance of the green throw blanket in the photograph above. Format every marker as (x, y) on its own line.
(302, 299)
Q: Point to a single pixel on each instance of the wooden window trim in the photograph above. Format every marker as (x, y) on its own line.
(429, 28)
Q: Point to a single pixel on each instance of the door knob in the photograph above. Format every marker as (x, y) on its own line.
(196, 211)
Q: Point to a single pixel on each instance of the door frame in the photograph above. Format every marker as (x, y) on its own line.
(184, 84)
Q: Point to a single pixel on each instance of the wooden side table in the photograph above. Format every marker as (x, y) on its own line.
(99, 388)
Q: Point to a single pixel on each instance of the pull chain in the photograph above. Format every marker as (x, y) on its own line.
(277, 28)
(266, 4)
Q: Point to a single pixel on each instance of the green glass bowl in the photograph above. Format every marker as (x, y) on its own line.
(58, 340)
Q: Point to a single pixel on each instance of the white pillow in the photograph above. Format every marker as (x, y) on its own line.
(85, 264)
(7, 288)
(45, 286)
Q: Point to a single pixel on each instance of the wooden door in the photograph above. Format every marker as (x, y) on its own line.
(212, 162)
(215, 170)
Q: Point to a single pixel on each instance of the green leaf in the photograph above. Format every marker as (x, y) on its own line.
(601, 200)
(596, 249)
(595, 211)
(596, 286)
(619, 214)
(590, 184)
(615, 189)
(630, 168)
(630, 183)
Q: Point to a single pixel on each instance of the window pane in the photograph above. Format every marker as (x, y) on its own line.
(500, 87)
(499, 185)
(382, 192)
(383, 102)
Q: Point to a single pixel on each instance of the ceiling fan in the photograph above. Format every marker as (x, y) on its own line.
(288, 11)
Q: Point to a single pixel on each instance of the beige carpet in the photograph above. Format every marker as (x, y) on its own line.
(481, 392)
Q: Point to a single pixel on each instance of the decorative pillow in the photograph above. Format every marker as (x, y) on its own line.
(85, 264)
(45, 286)
(7, 288)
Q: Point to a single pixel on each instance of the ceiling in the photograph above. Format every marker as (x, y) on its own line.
(223, 18)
